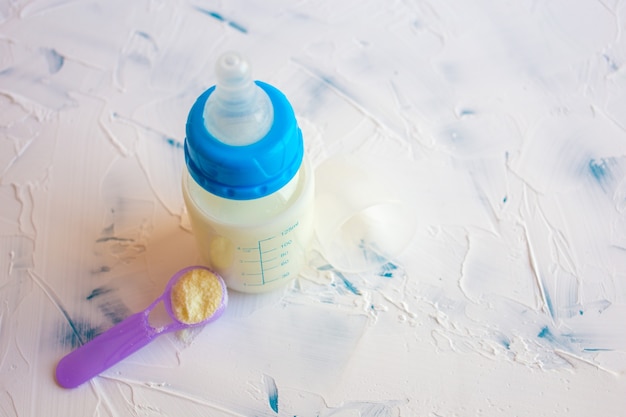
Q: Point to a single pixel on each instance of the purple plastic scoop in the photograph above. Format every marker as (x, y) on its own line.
(194, 296)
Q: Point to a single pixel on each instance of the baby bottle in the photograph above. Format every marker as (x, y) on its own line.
(248, 187)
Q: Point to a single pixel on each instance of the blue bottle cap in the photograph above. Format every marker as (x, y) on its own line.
(245, 172)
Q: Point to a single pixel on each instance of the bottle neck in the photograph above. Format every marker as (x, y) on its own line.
(248, 171)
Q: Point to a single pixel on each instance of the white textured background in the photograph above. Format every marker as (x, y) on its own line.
(503, 124)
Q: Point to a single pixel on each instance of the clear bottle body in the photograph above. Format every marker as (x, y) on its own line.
(255, 245)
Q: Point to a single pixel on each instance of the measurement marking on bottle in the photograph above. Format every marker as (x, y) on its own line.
(273, 256)
(268, 259)
(248, 250)
(261, 261)
(271, 267)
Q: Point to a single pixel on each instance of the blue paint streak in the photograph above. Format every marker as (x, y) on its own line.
(350, 286)
(272, 392)
(98, 292)
(79, 333)
(370, 253)
(214, 15)
(506, 343)
(599, 169)
(145, 35)
(610, 62)
(221, 18)
(546, 334)
(115, 311)
(54, 59)
(238, 27)
(549, 304)
(102, 269)
(174, 143)
(388, 269)
(467, 112)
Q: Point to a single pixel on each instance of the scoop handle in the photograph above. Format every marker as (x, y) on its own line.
(105, 350)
